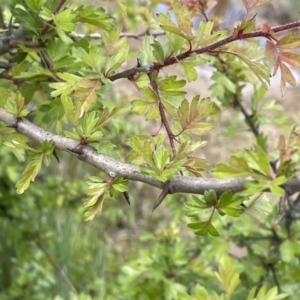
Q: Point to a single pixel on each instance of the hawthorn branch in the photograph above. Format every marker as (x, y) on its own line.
(180, 184)
(234, 37)
(136, 36)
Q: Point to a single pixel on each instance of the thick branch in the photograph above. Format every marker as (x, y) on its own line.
(180, 184)
(9, 39)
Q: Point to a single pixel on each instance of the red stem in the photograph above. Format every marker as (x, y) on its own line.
(232, 38)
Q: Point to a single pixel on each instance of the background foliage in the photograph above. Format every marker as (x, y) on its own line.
(49, 251)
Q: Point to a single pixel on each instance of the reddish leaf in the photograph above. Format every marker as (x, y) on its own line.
(276, 65)
(271, 49)
(252, 4)
(286, 77)
(292, 59)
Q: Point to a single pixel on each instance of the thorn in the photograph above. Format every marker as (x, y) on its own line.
(55, 155)
(10, 26)
(126, 197)
(161, 197)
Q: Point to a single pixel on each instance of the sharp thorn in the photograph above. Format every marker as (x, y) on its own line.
(126, 197)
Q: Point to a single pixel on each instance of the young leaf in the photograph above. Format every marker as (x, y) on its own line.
(158, 51)
(96, 16)
(14, 105)
(85, 92)
(96, 191)
(227, 276)
(147, 106)
(184, 28)
(206, 36)
(120, 185)
(252, 4)
(290, 41)
(190, 114)
(30, 173)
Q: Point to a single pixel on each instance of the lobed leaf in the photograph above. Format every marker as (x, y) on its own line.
(190, 114)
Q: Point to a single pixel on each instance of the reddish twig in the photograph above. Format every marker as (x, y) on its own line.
(163, 116)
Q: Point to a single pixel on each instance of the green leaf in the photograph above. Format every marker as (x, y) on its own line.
(251, 294)
(288, 250)
(29, 19)
(261, 71)
(196, 206)
(35, 5)
(4, 94)
(72, 110)
(64, 20)
(227, 276)
(230, 205)
(85, 92)
(107, 116)
(107, 148)
(175, 43)
(96, 16)
(30, 173)
(158, 51)
(203, 228)
(64, 88)
(96, 191)
(189, 65)
(19, 143)
(161, 158)
(272, 294)
(14, 105)
(184, 28)
(259, 161)
(119, 184)
(117, 54)
(95, 57)
(170, 86)
(210, 197)
(190, 114)
(147, 106)
(206, 35)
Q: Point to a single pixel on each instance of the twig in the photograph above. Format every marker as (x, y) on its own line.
(57, 267)
(275, 279)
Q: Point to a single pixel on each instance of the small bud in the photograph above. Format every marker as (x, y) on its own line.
(112, 174)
